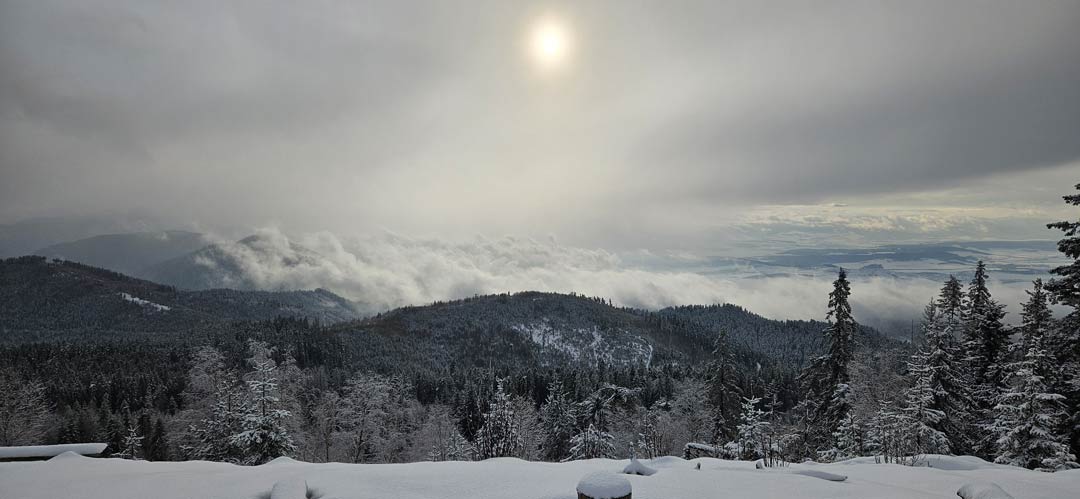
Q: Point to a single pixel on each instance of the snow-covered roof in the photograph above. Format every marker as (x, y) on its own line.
(43, 451)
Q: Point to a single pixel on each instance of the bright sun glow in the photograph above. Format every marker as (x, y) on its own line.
(550, 43)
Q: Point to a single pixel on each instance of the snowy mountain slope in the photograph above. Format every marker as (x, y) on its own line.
(587, 345)
(73, 476)
(49, 299)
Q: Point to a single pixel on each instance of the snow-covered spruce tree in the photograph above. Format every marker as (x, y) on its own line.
(1036, 319)
(591, 443)
(263, 432)
(950, 306)
(1065, 344)
(211, 438)
(942, 370)
(499, 435)
(827, 379)
(559, 423)
(986, 340)
(848, 440)
(723, 386)
(924, 420)
(132, 445)
(753, 430)
(1029, 415)
(986, 346)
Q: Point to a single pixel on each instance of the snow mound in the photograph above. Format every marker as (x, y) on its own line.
(64, 456)
(294, 488)
(282, 460)
(636, 468)
(939, 461)
(667, 462)
(824, 475)
(958, 463)
(604, 485)
(984, 490)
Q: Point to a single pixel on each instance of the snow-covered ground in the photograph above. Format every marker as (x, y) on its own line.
(145, 303)
(69, 475)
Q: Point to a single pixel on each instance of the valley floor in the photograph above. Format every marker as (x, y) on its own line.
(69, 475)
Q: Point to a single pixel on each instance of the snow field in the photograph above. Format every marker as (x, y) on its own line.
(75, 476)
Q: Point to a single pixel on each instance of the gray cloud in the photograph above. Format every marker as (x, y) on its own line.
(426, 117)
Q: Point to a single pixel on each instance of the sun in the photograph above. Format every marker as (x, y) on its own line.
(550, 43)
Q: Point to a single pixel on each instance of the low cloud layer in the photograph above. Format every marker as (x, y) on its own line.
(393, 270)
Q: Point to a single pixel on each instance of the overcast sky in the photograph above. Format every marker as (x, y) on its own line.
(661, 124)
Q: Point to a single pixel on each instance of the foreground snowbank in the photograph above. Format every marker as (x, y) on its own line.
(75, 476)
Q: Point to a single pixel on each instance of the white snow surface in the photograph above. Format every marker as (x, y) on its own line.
(27, 451)
(91, 478)
(604, 485)
(292, 488)
(983, 491)
(145, 303)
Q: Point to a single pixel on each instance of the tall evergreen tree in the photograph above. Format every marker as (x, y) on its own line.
(986, 346)
(925, 420)
(828, 378)
(724, 390)
(1036, 319)
(985, 338)
(950, 306)
(1065, 290)
(559, 423)
(938, 373)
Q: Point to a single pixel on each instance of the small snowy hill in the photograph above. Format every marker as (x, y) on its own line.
(88, 478)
